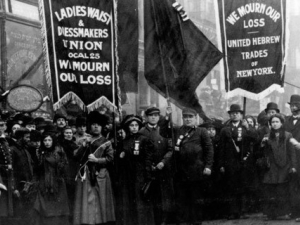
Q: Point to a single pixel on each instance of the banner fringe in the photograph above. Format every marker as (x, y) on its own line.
(68, 97)
(253, 96)
(101, 101)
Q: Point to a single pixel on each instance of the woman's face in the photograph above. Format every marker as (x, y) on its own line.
(211, 131)
(96, 129)
(276, 123)
(250, 122)
(68, 134)
(48, 142)
(133, 127)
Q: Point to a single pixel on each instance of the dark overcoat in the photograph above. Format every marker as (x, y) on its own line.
(195, 154)
(162, 153)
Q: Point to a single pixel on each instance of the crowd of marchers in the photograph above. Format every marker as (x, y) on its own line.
(150, 172)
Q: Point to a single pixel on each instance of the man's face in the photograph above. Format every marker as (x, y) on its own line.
(96, 129)
(61, 122)
(30, 127)
(235, 116)
(295, 109)
(189, 120)
(26, 138)
(2, 127)
(153, 118)
(271, 112)
(81, 129)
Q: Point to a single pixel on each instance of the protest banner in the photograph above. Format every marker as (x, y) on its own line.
(253, 37)
(79, 45)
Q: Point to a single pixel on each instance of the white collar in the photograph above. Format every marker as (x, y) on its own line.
(152, 126)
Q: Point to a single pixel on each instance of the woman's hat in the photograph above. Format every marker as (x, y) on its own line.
(272, 106)
(235, 108)
(129, 118)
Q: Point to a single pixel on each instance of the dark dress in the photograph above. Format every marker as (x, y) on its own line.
(69, 147)
(51, 202)
(282, 158)
(135, 170)
(294, 129)
(94, 200)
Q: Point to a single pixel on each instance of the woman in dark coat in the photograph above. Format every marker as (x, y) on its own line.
(67, 142)
(51, 202)
(135, 171)
(278, 149)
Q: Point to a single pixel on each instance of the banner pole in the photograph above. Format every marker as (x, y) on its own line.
(245, 104)
(170, 126)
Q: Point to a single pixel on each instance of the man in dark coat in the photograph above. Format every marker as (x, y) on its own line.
(292, 125)
(235, 139)
(6, 174)
(23, 172)
(162, 170)
(194, 160)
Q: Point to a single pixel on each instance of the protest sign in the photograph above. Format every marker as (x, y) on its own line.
(253, 37)
(79, 43)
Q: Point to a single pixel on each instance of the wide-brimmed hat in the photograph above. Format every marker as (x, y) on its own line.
(295, 99)
(152, 110)
(235, 108)
(272, 106)
(189, 111)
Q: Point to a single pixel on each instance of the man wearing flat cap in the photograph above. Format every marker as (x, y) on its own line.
(292, 125)
(162, 170)
(194, 159)
(235, 139)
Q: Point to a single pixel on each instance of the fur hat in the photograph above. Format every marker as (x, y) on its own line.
(57, 116)
(96, 117)
(80, 121)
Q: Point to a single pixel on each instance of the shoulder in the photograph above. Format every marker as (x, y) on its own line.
(288, 134)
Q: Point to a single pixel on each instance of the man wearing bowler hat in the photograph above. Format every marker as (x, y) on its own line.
(235, 139)
(162, 170)
(292, 125)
